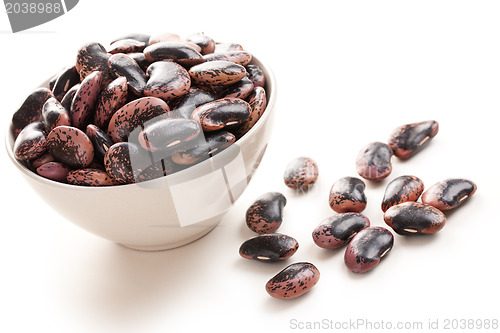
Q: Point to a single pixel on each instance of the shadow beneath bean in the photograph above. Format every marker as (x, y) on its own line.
(327, 254)
(416, 240)
(261, 268)
(451, 212)
(373, 185)
(276, 305)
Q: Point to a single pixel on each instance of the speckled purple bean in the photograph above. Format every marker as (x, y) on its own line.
(141, 60)
(89, 177)
(68, 97)
(256, 75)
(92, 57)
(167, 80)
(126, 46)
(100, 140)
(173, 51)
(449, 193)
(258, 102)
(56, 171)
(221, 113)
(70, 146)
(174, 133)
(367, 248)
(31, 142)
(242, 58)
(31, 109)
(82, 106)
(66, 79)
(184, 106)
(347, 195)
(414, 218)
(338, 230)
(217, 73)
(374, 161)
(122, 65)
(113, 97)
(266, 213)
(206, 44)
(406, 140)
(39, 161)
(269, 247)
(301, 173)
(118, 162)
(54, 114)
(293, 281)
(213, 144)
(134, 114)
(402, 189)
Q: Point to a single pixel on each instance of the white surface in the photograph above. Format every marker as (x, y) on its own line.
(347, 75)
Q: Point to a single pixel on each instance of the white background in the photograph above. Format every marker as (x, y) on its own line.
(348, 73)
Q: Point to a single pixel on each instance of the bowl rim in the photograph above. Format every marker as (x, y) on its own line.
(270, 83)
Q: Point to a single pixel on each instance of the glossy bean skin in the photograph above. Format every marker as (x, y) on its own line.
(338, 230)
(449, 194)
(206, 44)
(68, 98)
(406, 140)
(167, 80)
(221, 113)
(173, 51)
(54, 114)
(301, 173)
(256, 75)
(89, 177)
(266, 213)
(367, 248)
(241, 89)
(66, 79)
(374, 161)
(39, 161)
(122, 65)
(71, 146)
(135, 114)
(293, 281)
(217, 73)
(56, 171)
(135, 36)
(242, 58)
(213, 144)
(118, 162)
(113, 97)
(126, 46)
(186, 104)
(169, 134)
(31, 142)
(158, 169)
(402, 189)
(269, 247)
(258, 102)
(414, 218)
(347, 195)
(82, 106)
(31, 109)
(101, 141)
(141, 60)
(92, 57)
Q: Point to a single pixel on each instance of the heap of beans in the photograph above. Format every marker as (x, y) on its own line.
(366, 245)
(144, 107)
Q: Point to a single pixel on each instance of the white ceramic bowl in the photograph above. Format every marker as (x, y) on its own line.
(166, 212)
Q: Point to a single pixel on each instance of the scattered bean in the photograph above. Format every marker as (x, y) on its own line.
(269, 247)
(301, 174)
(374, 161)
(293, 281)
(338, 230)
(266, 213)
(407, 139)
(347, 195)
(402, 189)
(449, 194)
(367, 248)
(412, 218)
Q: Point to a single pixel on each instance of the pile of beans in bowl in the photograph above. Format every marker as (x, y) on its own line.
(144, 107)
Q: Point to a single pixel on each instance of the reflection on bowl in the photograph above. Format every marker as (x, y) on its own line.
(165, 212)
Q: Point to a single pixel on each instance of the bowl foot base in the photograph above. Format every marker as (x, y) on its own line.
(172, 245)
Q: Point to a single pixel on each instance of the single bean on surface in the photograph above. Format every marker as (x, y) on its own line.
(301, 173)
(338, 230)
(374, 161)
(265, 215)
(367, 248)
(293, 281)
(449, 193)
(406, 140)
(269, 247)
(402, 189)
(414, 218)
(348, 195)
